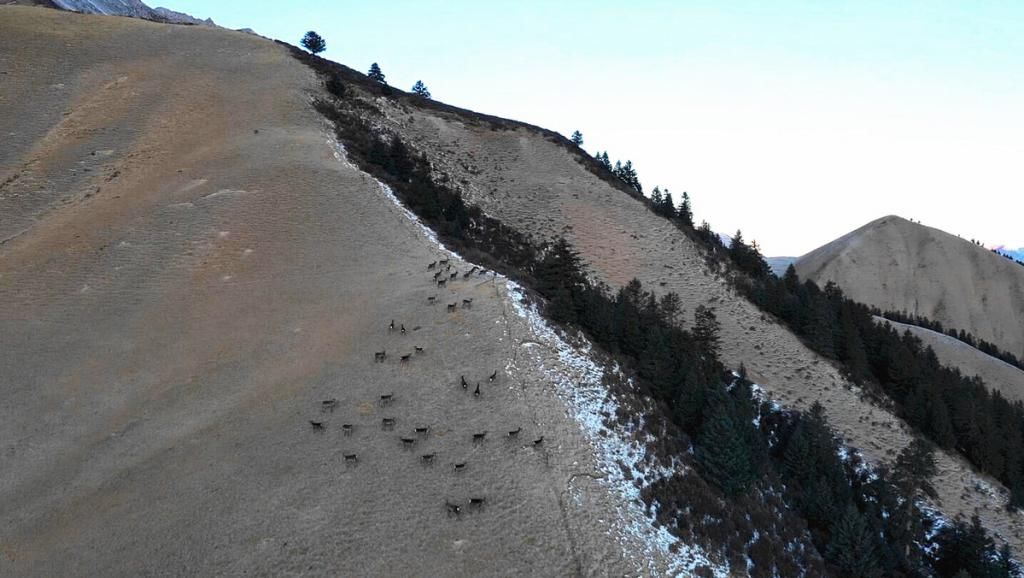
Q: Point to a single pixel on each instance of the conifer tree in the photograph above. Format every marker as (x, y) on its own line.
(726, 459)
(577, 138)
(706, 328)
(314, 43)
(656, 199)
(668, 205)
(685, 212)
(853, 548)
(419, 89)
(375, 73)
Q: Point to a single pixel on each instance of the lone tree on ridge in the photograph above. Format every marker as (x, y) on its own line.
(314, 43)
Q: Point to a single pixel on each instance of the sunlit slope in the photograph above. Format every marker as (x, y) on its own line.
(541, 185)
(898, 265)
(188, 270)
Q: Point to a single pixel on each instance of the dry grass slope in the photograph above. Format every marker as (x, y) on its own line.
(540, 187)
(187, 271)
(897, 265)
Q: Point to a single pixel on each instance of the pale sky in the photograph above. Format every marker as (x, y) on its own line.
(794, 122)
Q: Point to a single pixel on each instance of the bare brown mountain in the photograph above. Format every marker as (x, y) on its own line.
(898, 265)
(190, 268)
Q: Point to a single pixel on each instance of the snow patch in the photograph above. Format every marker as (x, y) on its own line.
(578, 382)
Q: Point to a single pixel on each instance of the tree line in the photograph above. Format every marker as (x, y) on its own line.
(986, 347)
(954, 411)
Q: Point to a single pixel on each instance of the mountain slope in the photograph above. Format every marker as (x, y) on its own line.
(999, 375)
(129, 8)
(897, 265)
(189, 269)
(539, 183)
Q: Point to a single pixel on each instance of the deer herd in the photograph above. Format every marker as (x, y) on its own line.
(443, 273)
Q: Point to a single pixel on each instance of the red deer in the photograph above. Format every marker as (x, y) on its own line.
(346, 429)
(537, 442)
(408, 442)
(431, 266)
(428, 458)
(515, 433)
(380, 356)
(387, 398)
(459, 466)
(422, 430)
(317, 425)
(479, 437)
(387, 423)
(453, 509)
(452, 306)
(406, 357)
(351, 457)
(477, 503)
(329, 404)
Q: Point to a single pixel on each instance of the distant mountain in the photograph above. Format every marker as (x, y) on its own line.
(895, 264)
(130, 8)
(1017, 254)
(780, 264)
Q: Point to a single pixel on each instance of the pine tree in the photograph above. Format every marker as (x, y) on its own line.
(722, 452)
(314, 43)
(685, 213)
(656, 199)
(419, 89)
(706, 328)
(853, 548)
(375, 73)
(577, 138)
(668, 205)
